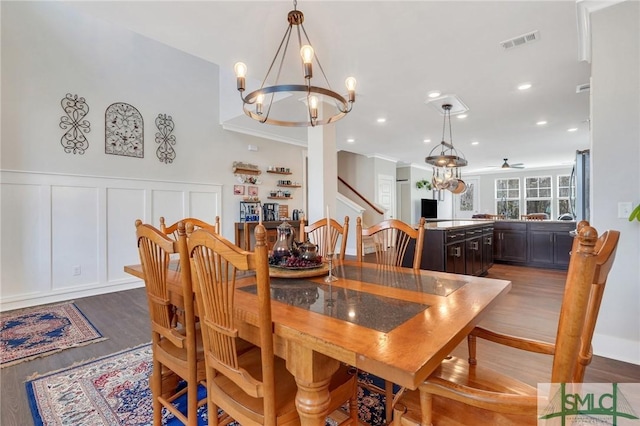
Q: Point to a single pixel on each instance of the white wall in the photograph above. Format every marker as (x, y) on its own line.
(49, 50)
(615, 115)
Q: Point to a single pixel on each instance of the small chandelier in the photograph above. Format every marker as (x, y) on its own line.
(447, 163)
(254, 104)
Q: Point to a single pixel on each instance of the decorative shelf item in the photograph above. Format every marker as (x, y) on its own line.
(288, 184)
(279, 170)
(241, 168)
(279, 198)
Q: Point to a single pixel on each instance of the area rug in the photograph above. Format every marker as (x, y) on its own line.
(33, 332)
(114, 390)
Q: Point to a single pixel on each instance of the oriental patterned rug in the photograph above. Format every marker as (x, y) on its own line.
(33, 332)
(114, 390)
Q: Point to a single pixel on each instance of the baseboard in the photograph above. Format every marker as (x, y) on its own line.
(25, 301)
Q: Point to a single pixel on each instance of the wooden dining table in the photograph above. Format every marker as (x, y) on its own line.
(396, 323)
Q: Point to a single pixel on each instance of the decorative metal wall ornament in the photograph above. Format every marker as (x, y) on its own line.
(165, 152)
(124, 130)
(76, 109)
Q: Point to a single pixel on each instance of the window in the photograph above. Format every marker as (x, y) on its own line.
(508, 197)
(565, 194)
(538, 195)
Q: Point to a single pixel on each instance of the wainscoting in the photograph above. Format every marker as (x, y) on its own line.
(68, 236)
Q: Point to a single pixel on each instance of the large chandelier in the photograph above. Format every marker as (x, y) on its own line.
(446, 164)
(257, 106)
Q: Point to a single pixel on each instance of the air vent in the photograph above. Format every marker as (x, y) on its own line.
(520, 40)
(457, 106)
(583, 88)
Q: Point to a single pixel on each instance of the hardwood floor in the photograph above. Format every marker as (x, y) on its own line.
(531, 309)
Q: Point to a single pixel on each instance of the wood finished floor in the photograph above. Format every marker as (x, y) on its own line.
(531, 309)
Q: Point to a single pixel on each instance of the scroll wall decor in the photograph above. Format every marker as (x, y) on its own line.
(124, 130)
(76, 109)
(165, 152)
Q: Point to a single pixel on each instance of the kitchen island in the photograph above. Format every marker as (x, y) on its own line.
(471, 247)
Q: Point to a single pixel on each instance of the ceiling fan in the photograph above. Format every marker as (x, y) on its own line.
(506, 165)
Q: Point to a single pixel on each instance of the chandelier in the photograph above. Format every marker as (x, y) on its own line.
(447, 162)
(258, 104)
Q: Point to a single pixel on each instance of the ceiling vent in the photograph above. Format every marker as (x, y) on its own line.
(583, 88)
(457, 106)
(520, 40)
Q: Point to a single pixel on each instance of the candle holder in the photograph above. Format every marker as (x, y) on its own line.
(330, 278)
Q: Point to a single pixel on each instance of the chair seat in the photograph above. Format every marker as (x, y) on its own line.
(448, 412)
(237, 403)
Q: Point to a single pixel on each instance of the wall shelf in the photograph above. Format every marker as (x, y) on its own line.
(280, 198)
(242, 171)
(289, 186)
(279, 173)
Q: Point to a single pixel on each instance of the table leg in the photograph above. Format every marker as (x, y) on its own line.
(313, 372)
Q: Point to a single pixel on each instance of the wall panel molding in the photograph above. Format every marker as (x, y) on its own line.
(66, 236)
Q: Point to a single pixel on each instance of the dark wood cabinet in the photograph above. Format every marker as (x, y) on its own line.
(458, 249)
(473, 252)
(455, 252)
(510, 241)
(487, 247)
(550, 244)
(545, 244)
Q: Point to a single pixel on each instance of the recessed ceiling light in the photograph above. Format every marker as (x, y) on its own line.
(426, 140)
(351, 140)
(381, 120)
(461, 116)
(475, 143)
(434, 94)
(541, 123)
(573, 129)
(524, 86)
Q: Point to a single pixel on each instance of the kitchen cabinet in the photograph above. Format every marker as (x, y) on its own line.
(550, 244)
(487, 247)
(454, 246)
(473, 252)
(455, 249)
(542, 244)
(510, 241)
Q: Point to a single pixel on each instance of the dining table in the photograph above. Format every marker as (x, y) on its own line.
(396, 323)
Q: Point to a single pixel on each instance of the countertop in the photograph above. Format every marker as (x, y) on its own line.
(444, 224)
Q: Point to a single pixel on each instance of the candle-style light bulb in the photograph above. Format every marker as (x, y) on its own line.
(241, 71)
(306, 52)
(313, 107)
(351, 84)
(351, 88)
(259, 103)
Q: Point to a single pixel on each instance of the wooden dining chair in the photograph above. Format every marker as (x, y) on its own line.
(172, 230)
(391, 238)
(534, 216)
(177, 345)
(461, 392)
(317, 234)
(244, 385)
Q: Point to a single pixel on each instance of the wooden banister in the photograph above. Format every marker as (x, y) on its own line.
(369, 203)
